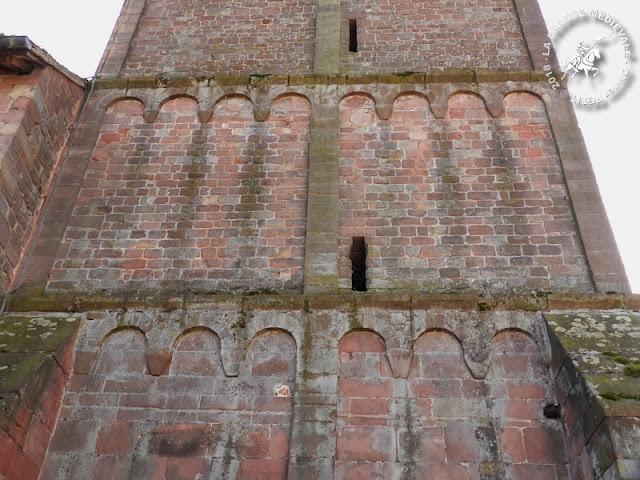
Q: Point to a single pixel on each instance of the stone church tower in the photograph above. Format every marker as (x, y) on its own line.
(309, 239)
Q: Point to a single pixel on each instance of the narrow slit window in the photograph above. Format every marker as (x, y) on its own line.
(353, 35)
(358, 265)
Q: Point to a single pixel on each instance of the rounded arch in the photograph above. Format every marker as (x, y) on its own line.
(452, 96)
(516, 330)
(310, 94)
(395, 104)
(516, 357)
(412, 93)
(527, 100)
(218, 103)
(286, 95)
(113, 97)
(349, 343)
(533, 90)
(263, 105)
(121, 329)
(165, 98)
(269, 330)
(357, 93)
(113, 102)
(438, 352)
(122, 352)
(197, 352)
(358, 101)
(272, 352)
(231, 96)
(437, 330)
(540, 97)
(191, 330)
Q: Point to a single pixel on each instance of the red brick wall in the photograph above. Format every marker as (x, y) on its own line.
(205, 38)
(468, 201)
(400, 36)
(178, 203)
(441, 422)
(36, 112)
(118, 421)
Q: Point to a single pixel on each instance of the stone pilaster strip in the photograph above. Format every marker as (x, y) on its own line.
(323, 213)
(327, 49)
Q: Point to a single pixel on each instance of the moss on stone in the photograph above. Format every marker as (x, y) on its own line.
(613, 396)
(632, 371)
(30, 347)
(604, 347)
(621, 360)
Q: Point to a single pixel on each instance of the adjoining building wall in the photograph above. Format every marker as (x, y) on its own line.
(36, 358)
(37, 111)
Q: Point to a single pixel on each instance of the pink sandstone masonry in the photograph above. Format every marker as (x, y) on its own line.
(388, 394)
(217, 205)
(463, 201)
(195, 265)
(190, 420)
(200, 37)
(397, 36)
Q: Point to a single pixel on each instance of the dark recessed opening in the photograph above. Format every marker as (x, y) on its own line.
(353, 35)
(358, 265)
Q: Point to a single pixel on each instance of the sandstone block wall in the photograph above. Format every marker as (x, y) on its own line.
(179, 203)
(36, 113)
(462, 201)
(396, 36)
(202, 37)
(232, 149)
(214, 189)
(379, 393)
(119, 421)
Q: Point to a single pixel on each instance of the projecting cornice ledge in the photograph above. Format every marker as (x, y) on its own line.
(444, 75)
(26, 300)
